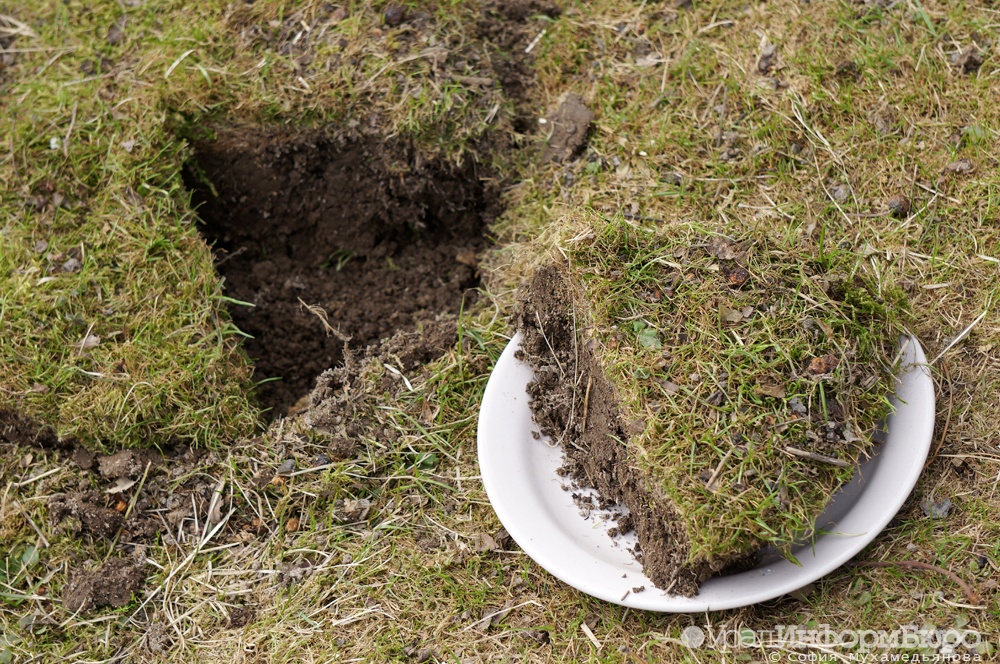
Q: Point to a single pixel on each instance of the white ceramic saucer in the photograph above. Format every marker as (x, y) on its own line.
(519, 473)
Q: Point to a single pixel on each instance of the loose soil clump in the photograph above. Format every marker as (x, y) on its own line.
(335, 241)
(112, 584)
(104, 514)
(87, 513)
(17, 429)
(567, 126)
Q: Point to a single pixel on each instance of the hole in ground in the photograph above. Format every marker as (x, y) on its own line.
(378, 238)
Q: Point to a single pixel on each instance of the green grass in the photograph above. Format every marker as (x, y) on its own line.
(714, 371)
(410, 575)
(93, 171)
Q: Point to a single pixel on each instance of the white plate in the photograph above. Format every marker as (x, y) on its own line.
(519, 473)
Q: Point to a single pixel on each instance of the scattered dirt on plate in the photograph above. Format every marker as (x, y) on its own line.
(112, 584)
(334, 242)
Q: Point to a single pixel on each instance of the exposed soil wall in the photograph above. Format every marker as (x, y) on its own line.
(574, 404)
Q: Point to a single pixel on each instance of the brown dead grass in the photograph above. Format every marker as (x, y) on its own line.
(416, 576)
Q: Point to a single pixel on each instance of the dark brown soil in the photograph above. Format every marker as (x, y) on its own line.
(112, 584)
(241, 616)
(19, 430)
(375, 237)
(131, 498)
(569, 384)
(88, 513)
(101, 514)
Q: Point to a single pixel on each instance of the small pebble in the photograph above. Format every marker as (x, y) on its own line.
(287, 468)
(936, 510)
(394, 15)
(899, 206)
(840, 193)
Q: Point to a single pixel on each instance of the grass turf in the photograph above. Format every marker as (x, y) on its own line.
(861, 103)
(718, 377)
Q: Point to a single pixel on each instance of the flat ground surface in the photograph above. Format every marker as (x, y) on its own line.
(149, 513)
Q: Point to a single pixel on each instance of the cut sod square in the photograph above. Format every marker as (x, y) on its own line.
(721, 389)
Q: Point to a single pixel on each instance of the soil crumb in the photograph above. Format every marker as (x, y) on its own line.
(334, 242)
(127, 463)
(241, 616)
(112, 584)
(567, 127)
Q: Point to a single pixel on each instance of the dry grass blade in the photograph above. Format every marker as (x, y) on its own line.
(961, 335)
(11, 27)
(488, 618)
(805, 454)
